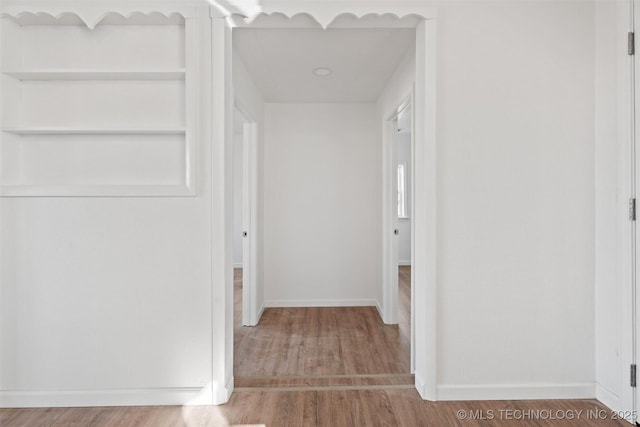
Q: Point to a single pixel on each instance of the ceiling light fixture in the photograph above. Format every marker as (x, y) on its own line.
(322, 72)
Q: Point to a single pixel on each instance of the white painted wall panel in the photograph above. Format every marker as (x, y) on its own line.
(100, 159)
(322, 204)
(516, 197)
(131, 47)
(103, 103)
(104, 294)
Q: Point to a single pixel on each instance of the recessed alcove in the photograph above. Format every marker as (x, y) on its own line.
(120, 88)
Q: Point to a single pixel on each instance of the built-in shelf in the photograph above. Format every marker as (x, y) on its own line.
(110, 112)
(94, 131)
(44, 190)
(177, 74)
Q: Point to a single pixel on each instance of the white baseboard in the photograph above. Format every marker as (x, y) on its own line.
(260, 313)
(608, 398)
(379, 310)
(404, 262)
(516, 391)
(222, 396)
(421, 386)
(127, 397)
(257, 319)
(321, 303)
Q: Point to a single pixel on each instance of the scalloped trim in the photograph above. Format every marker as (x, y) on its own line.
(325, 17)
(89, 18)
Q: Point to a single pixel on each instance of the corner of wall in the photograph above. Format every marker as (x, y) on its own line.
(222, 395)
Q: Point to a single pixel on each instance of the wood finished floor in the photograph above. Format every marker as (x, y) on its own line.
(294, 342)
(353, 408)
(325, 368)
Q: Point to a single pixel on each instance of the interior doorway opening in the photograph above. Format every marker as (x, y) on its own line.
(322, 169)
(403, 185)
(292, 116)
(244, 214)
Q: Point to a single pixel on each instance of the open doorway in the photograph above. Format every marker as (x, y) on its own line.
(286, 115)
(244, 217)
(322, 173)
(403, 165)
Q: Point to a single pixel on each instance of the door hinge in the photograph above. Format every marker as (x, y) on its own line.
(633, 375)
(631, 43)
(632, 209)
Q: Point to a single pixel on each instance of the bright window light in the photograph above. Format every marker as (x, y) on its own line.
(402, 191)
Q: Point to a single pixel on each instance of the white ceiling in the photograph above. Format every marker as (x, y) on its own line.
(281, 61)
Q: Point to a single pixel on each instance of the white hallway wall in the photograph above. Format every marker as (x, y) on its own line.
(105, 294)
(515, 200)
(322, 204)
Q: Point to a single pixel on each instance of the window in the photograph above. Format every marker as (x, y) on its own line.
(402, 191)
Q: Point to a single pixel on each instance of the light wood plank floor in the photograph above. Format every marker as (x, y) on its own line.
(328, 368)
(352, 408)
(322, 341)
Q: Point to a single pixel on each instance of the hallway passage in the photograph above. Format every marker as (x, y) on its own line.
(344, 345)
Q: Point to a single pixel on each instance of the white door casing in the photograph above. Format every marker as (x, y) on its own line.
(390, 221)
(424, 315)
(250, 309)
(389, 308)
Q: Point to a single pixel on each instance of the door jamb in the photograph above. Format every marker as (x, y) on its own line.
(424, 209)
(389, 309)
(632, 226)
(390, 222)
(250, 310)
(624, 400)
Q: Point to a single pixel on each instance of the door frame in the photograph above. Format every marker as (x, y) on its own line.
(625, 400)
(424, 254)
(390, 303)
(250, 309)
(389, 309)
(631, 393)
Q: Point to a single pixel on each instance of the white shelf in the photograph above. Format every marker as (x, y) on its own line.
(177, 74)
(93, 131)
(21, 190)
